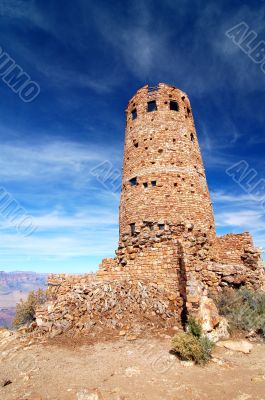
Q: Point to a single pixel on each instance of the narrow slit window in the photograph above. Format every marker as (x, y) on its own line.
(151, 106)
(192, 137)
(132, 226)
(161, 227)
(133, 181)
(145, 184)
(134, 113)
(153, 183)
(135, 144)
(173, 105)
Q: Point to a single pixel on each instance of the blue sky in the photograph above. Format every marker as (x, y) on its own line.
(88, 59)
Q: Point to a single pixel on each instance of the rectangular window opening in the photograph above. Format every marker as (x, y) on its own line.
(134, 113)
(132, 226)
(153, 183)
(173, 105)
(161, 227)
(133, 181)
(145, 184)
(151, 106)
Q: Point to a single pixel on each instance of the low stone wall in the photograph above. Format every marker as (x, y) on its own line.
(93, 307)
(230, 248)
(182, 261)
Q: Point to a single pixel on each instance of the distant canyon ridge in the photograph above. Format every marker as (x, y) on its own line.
(15, 286)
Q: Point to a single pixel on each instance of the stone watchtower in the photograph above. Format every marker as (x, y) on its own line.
(167, 232)
(163, 174)
(167, 245)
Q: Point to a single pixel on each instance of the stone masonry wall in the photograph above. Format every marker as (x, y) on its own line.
(230, 248)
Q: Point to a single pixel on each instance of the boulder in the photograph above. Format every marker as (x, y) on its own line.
(243, 346)
(208, 314)
(220, 331)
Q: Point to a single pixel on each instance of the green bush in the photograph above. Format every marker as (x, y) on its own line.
(194, 327)
(192, 348)
(25, 310)
(244, 309)
(192, 345)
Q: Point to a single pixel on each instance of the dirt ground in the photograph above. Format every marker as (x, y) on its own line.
(141, 369)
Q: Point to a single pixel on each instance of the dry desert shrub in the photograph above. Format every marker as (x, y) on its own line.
(192, 345)
(25, 310)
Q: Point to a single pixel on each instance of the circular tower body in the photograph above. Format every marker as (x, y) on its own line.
(163, 174)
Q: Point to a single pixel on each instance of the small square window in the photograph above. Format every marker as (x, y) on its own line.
(145, 184)
(161, 227)
(173, 105)
(133, 181)
(153, 183)
(151, 106)
(135, 144)
(134, 113)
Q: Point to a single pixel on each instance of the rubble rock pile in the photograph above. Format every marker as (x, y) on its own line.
(121, 305)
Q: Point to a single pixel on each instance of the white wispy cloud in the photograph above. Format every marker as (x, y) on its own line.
(222, 196)
(247, 219)
(52, 159)
(92, 231)
(148, 48)
(239, 212)
(61, 246)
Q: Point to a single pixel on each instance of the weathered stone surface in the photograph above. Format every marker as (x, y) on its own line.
(220, 332)
(208, 314)
(242, 346)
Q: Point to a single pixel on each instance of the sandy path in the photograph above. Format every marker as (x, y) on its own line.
(122, 370)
